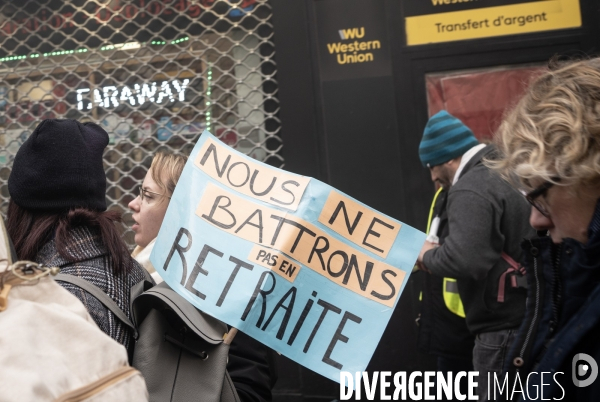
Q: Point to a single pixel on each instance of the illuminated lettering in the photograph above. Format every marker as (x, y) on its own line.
(136, 94)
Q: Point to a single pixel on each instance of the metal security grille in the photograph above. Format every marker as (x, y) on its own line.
(153, 73)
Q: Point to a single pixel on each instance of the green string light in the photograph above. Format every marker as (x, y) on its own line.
(208, 102)
(173, 42)
(37, 55)
(83, 50)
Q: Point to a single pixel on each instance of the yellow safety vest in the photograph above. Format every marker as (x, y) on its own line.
(451, 297)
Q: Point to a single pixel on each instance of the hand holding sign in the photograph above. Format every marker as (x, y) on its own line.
(301, 267)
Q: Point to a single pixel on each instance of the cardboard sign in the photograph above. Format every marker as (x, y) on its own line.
(286, 259)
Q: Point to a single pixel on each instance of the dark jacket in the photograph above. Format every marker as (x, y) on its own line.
(563, 315)
(90, 261)
(485, 217)
(441, 332)
(252, 368)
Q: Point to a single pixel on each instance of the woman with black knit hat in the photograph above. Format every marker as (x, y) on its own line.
(57, 216)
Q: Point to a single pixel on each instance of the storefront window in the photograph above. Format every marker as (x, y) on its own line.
(153, 73)
(479, 97)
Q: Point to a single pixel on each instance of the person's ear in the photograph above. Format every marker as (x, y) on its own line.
(454, 162)
(450, 163)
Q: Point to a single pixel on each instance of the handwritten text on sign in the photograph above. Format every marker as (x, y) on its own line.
(238, 172)
(298, 265)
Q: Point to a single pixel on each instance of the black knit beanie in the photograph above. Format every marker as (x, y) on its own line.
(59, 167)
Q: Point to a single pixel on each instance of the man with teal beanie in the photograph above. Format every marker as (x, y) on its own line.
(445, 137)
(487, 220)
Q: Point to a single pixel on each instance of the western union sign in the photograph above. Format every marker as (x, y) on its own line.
(434, 21)
(351, 52)
(353, 44)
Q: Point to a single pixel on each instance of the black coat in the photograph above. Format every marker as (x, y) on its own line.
(562, 317)
(252, 368)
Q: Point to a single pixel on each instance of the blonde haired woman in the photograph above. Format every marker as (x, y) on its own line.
(251, 365)
(551, 151)
(150, 206)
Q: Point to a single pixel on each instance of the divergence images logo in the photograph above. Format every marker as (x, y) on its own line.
(583, 365)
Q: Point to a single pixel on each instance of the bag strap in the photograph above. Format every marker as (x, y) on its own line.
(136, 291)
(100, 295)
(162, 297)
(514, 267)
(147, 276)
(510, 261)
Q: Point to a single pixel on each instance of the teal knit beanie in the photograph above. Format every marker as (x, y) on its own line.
(445, 138)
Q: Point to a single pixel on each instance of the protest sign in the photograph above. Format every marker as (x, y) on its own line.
(296, 264)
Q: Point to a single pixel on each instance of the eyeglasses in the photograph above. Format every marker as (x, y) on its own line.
(532, 196)
(144, 193)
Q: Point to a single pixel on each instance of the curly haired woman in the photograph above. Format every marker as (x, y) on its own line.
(551, 151)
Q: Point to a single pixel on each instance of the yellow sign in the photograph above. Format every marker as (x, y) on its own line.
(492, 21)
